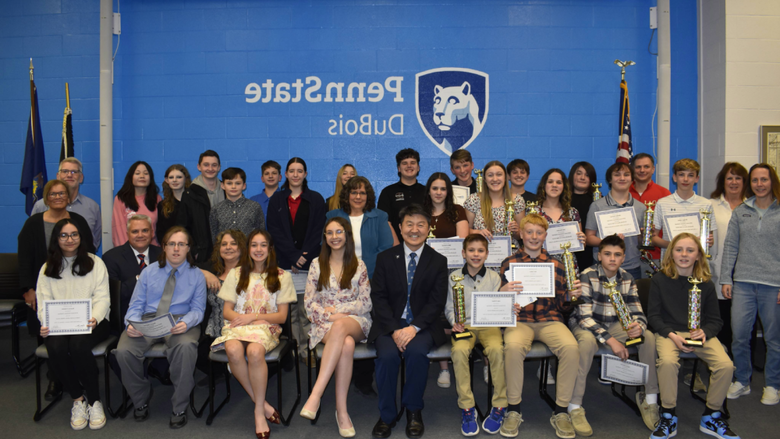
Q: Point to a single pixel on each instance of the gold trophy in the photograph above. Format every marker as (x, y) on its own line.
(431, 229)
(624, 315)
(647, 222)
(459, 306)
(596, 193)
(571, 274)
(532, 207)
(509, 217)
(694, 311)
(649, 261)
(479, 179)
(704, 233)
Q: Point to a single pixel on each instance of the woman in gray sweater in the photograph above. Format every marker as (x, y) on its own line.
(749, 276)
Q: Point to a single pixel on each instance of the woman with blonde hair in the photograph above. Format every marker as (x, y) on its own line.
(342, 177)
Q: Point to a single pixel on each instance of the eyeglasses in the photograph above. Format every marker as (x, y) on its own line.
(176, 244)
(74, 236)
(356, 193)
(331, 233)
(69, 172)
(53, 195)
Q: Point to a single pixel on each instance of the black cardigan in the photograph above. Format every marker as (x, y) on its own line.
(278, 223)
(33, 249)
(193, 215)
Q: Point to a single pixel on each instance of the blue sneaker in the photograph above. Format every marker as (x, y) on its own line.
(666, 428)
(714, 425)
(469, 425)
(493, 422)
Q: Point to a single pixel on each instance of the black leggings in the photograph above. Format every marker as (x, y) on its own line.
(71, 359)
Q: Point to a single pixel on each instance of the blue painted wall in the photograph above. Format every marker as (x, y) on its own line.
(182, 68)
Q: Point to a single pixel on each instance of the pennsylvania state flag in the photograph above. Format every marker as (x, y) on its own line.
(34, 166)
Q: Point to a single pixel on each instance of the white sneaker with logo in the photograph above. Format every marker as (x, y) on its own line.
(78, 415)
(737, 389)
(97, 418)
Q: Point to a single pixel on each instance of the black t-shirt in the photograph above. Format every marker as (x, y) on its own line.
(397, 196)
(528, 196)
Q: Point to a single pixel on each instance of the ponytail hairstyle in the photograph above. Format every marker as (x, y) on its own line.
(286, 184)
(271, 269)
(82, 265)
(168, 202)
(701, 268)
(486, 204)
(349, 264)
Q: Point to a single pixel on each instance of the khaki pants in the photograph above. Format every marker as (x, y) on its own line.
(712, 353)
(557, 337)
(588, 348)
(493, 343)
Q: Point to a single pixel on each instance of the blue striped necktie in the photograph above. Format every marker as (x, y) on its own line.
(409, 278)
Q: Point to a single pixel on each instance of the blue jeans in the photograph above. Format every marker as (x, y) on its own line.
(635, 272)
(747, 298)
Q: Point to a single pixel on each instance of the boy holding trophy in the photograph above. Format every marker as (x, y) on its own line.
(475, 277)
(612, 315)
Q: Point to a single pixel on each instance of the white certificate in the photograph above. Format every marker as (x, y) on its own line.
(561, 233)
(155, 328)
(630, 373)
(493, 309)
(67, 317)
(680, 223)
(499, 249)
(460, 194)
(450, 248)
(616, 221)
(538, 278)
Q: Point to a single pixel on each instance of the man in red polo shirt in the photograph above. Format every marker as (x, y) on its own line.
(643, 188)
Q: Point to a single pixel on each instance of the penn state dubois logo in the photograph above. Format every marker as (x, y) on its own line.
(452, 106)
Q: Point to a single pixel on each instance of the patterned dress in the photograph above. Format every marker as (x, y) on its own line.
(472, 204)
(356, 301)
(255, 300)
(575, 216)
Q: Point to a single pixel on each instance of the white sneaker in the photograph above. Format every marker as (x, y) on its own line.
(97, 419)
(770, 396)
(444, 379)
(736, 389)
(550, 376)
(78, 415)
(485, 372)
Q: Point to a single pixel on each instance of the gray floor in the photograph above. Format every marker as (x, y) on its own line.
(609, 417)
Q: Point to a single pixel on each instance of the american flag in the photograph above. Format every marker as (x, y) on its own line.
(625, 151)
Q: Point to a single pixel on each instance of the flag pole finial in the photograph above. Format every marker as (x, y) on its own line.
(31, 69)
(623, 65)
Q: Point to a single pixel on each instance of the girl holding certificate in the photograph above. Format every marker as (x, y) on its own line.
(486, 211)
(338, 303)
(554, 198)
(751, 280)
(448, 218)
(71, 272)
(257, 297)
(685, 275)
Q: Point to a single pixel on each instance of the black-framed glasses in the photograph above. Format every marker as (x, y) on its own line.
(54, 195)
(74, 236)
(177, 244)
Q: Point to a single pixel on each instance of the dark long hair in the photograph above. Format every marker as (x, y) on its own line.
(449, 206)
(355, 183)
(272, 282)
(216, 259)
(350, 262)
(736, 169)
(286, 184)
(83, 263)
(126, 193)
(168, 202)
(564, 199)
(589, 169)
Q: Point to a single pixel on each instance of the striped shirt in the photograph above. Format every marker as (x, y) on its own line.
(675, 205)
(597, 313)
(545, 309)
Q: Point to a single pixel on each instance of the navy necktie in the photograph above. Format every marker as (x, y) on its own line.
(142, 264)
(409, 278)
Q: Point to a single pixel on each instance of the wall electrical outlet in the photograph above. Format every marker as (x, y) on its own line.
(117, 23)
(654, 18)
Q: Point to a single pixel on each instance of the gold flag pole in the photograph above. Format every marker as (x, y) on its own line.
(67, 96)
(623, 65)
(65, 122)
(32, 102)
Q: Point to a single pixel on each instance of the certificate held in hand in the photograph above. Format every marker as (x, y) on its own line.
(67, 317)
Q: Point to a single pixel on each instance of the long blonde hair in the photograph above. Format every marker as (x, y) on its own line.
(485, 202)
(335, 200)
(701, 268)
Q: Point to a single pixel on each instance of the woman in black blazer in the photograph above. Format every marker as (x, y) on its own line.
(296, 219)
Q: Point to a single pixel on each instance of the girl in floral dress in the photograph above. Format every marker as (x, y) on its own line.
(338, 303)
(257, 296)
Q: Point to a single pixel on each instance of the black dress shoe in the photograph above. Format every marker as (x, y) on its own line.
(414, 424)
(382, 430)
(141, 413)
(179, 420)
(53, 391)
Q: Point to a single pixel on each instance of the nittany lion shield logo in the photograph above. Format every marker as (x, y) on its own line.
(452, 106)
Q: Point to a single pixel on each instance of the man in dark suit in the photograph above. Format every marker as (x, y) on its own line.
(407, 308)
(124, 263)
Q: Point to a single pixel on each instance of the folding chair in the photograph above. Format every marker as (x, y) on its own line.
(13, 310)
